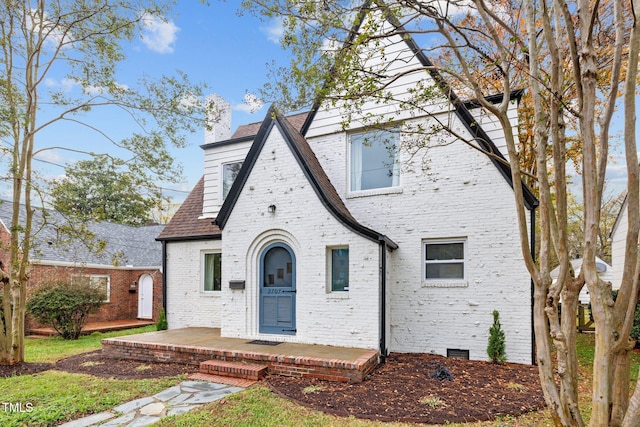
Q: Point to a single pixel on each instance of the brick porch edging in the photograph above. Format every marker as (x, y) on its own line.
(282, 364)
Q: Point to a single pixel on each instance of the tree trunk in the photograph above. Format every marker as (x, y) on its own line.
(620, 385)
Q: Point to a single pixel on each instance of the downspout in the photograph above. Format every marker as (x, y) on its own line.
(533, 256)
(383, 300)
(164, 275)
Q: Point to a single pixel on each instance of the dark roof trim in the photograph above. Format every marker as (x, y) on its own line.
(245, 170)
(274, 119)
(494, 99)
(474, 128)
(461, 109)
(190, 238)
(331, 207)
(227, 142)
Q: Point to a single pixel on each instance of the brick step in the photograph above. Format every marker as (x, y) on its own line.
(237, 382)
(233, 369)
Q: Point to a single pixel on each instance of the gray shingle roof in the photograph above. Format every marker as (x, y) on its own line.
(124, 245)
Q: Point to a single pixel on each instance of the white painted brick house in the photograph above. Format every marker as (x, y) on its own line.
(302, 231)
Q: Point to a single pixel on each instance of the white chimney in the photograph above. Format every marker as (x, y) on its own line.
(219, 119)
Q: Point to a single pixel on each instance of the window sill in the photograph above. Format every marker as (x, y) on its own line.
(210, 293)
(445, 284)
(374, 192)
(338, 295)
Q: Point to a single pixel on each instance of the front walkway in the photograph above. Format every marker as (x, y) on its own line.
(176, 400)
(195, 345)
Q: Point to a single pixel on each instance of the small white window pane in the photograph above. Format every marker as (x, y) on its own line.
(229, 174)
(374, 160)
(340, 269)
(445, 251)
(445, 271)
(212, 272)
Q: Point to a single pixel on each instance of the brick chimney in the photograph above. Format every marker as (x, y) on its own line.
(219, 120)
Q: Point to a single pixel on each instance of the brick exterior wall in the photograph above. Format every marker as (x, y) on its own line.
(122, 304)
(295, 366)
(348, 319)
(187, 304)
(447, 191)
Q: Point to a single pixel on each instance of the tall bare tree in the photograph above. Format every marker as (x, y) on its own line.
(575, 59)
(82, 42)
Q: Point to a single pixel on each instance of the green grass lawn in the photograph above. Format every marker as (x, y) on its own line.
(55, 396)
(55, 348)
(59, 396)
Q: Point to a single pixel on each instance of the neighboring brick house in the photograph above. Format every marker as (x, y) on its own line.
(301, 231)
(128, 268)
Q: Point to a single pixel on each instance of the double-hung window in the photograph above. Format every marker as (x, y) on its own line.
(374, 160)
(339, 269)
(444, 260)
(229, 174)
(212, 278)
(97, 281)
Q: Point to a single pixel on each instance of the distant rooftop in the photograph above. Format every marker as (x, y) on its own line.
(125, 245)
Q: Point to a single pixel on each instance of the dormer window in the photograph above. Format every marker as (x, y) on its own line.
(374, 160)
(229, 174)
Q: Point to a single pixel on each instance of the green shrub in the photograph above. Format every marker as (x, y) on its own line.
(65, 306)
(496, 347)
(635, 329)
(162, 324)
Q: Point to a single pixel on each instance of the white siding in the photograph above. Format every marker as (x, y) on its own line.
(348, 319)
(214, 158)
(187, 304)
(618, 243)
(400, 60)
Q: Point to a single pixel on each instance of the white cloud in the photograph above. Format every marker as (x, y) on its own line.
(65, 85)
(50, 156)
(274, 31)
(158, 34)
(251, 104)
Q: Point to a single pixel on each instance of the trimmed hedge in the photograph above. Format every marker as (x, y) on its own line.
(65, 306)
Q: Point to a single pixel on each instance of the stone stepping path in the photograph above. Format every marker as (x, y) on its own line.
(148, 410)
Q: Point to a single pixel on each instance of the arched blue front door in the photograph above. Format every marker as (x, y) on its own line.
(278, 290)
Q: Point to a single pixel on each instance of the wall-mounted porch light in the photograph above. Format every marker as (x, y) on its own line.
(271, 209)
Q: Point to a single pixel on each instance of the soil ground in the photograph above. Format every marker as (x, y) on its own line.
(408, 387)
(413, 388)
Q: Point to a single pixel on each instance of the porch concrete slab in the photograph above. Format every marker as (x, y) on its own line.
(210, 338)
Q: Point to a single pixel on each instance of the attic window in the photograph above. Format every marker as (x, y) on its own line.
(229, 174)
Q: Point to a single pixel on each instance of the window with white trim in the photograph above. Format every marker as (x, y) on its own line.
(338, 260)
(211, 272)
(101, 282)
(444, 260)
(229, 174)
(373, 160)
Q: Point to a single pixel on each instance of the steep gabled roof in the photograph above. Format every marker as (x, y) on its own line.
(187, 223)
(297, 120)
(461, 108)
(312, 170)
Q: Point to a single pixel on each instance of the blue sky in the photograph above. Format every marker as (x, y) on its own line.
(211, 44)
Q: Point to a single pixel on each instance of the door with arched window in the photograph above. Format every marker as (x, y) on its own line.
(277, 290)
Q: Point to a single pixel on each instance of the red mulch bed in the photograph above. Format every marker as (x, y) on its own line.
(94, 363)
(400, 390)
(403, 390)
